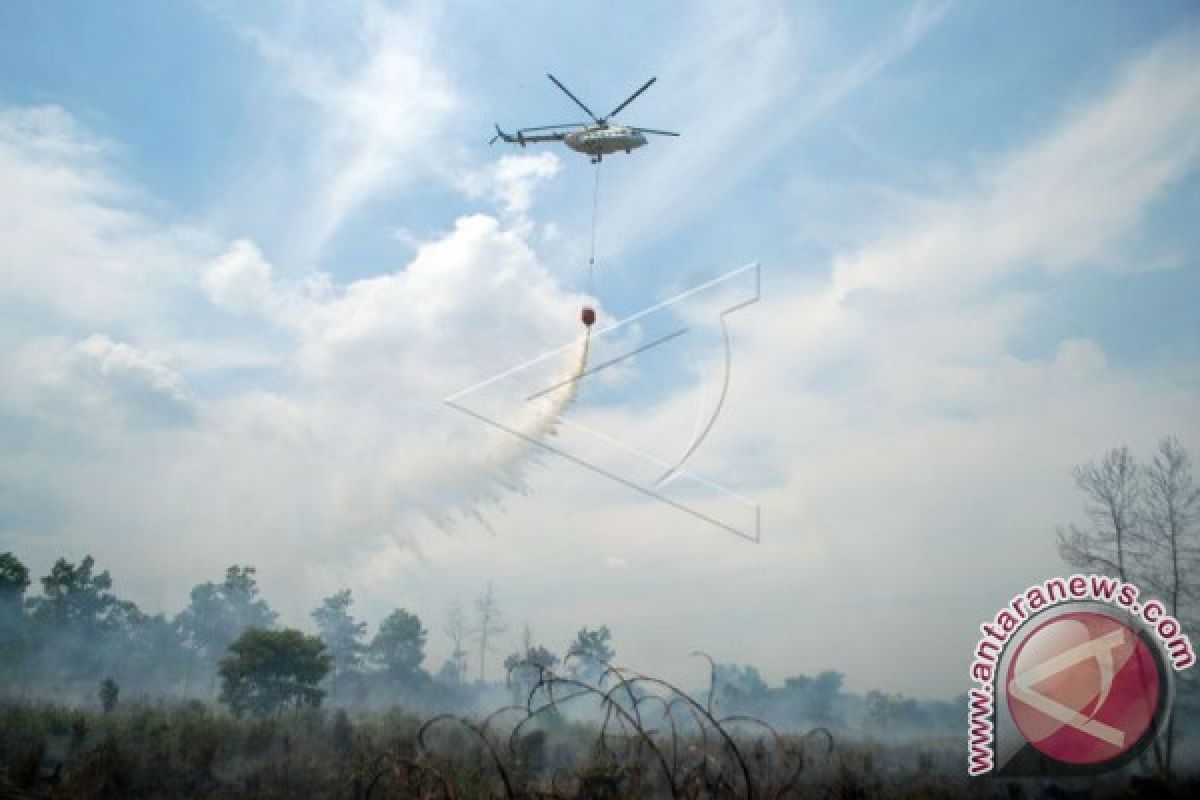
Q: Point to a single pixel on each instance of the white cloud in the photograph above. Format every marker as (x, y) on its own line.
(240, 280)
(71, 245)
(911, 468)
(1068, 200)
(512, 180)
(734, 119)
(95, 386)
(382, 100)
(132, 369)
(340, 440)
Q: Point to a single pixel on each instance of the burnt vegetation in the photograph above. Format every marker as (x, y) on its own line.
(99, 699)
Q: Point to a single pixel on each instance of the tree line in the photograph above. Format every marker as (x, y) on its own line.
(77, 639)
(77, 634)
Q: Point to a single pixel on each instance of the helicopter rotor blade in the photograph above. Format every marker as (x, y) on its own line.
(652, 130)
(631, 98)
(555, 127)
(578, 102)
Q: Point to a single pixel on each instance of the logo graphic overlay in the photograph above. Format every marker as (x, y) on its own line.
(1075, 676)
(1084, 688)
(633, 362)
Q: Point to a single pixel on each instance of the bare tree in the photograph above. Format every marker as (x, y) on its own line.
(1114, 489)
(1170, 517)
(457, 630)
(1144, 520)
(488, 623)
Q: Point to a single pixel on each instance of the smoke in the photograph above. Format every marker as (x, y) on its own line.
(515, 448)
(547, 407)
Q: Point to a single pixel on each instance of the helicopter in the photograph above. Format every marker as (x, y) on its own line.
(596, 139)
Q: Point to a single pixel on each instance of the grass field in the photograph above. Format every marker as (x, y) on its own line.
(192, 750)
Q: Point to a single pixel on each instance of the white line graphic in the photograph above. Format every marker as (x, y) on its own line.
(1021, 686)
(738, 514)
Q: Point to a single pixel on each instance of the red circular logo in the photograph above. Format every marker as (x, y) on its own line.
(1083, 688)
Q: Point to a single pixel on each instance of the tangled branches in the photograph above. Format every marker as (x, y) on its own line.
(632, 736)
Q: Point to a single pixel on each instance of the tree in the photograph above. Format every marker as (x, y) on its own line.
(267, 671)
(14, 628)
(341, 633)
(738, 687)
(876, 707)
(797, 683)
(591, 652)
(74, 595)
(525, 667)
(150, 652)
(456, 630)
(1113, 488)
(399, 646)
(488, 624)
(825, 689)
(76, 621)
(885, 711)
(448, 673)
(14, 580)
(110, 692)
(1170, 516)
(1143, 530)
(818, 695)
(218, 613)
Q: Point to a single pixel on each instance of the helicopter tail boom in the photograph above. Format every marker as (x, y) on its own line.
(524, 137)
(508, 137)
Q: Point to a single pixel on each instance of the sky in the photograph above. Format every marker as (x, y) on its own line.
(248, 250)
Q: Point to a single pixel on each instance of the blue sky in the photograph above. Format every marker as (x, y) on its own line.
(247, 252)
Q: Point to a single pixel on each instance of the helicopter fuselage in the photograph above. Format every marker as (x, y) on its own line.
(598, 140)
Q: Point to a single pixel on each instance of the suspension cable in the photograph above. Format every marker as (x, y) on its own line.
(595, 215)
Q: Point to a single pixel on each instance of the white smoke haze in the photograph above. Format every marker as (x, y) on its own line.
(177, 397)
(313, 423)
(538, 419)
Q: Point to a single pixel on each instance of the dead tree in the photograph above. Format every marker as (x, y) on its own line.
(1114, 489)
(488, 623)
(1169, 517)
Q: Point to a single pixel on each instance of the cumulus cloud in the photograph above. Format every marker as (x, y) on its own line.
(240, 280)
(95, 386)
(883, 420)
(134, 377)
(339, 438)
(513, 179)
(190, 399)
